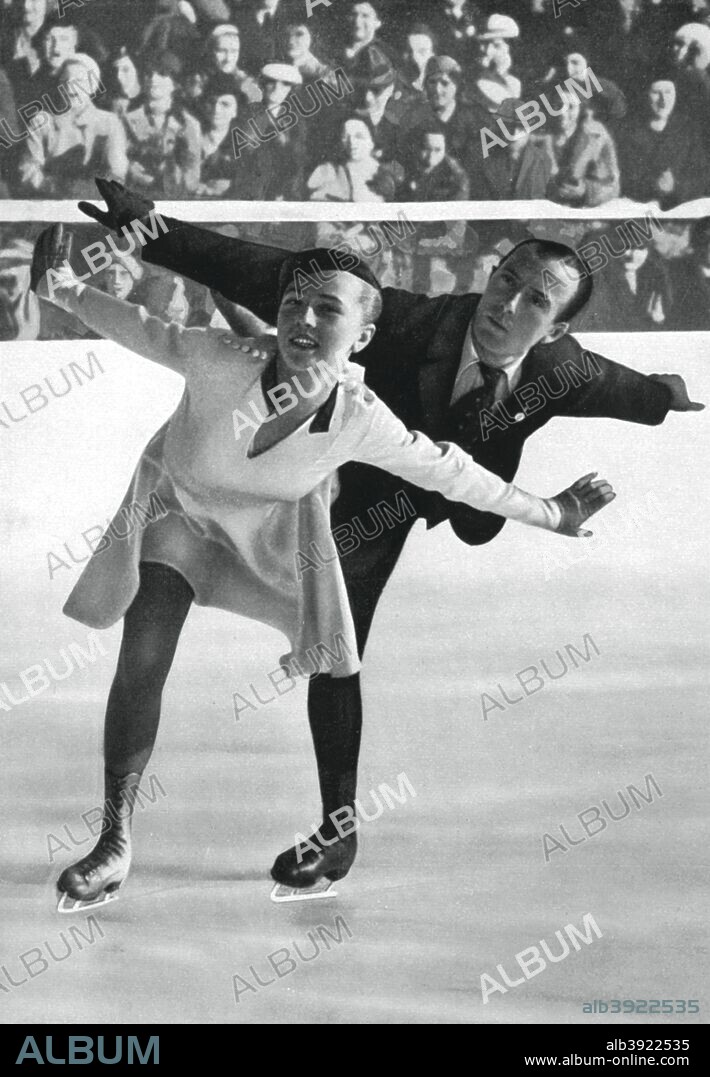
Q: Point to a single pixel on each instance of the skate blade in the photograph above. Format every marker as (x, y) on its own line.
(321, 889)
(68, 905)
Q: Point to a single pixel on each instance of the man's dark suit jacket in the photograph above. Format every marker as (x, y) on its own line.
(412, 364)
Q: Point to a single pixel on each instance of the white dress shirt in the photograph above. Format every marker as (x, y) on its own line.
(469, 374)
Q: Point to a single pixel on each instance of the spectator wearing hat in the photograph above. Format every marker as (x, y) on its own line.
(58, 39)
(363, 22)
(495, 82)
(544, 32)
(61, 157)
(380, 98)
(573, 63)
(223, 53)
(691, 50)
(691, 276)
(163, 139)
(354, 174)
(521, 169)
(220, 106)
(588, 168)
(121, 278)
(275, 170)
(123, 83)
(462, 122)
(295, 48)
(661, 153)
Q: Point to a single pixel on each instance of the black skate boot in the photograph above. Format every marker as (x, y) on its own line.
(323, 856)
(335, 717)
(96, 878)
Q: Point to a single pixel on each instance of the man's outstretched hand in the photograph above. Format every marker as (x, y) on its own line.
(122, 206)
(580, 501)
(52, 251)
(680, 401)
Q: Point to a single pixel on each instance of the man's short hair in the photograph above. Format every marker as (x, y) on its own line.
(444, 65)
(433, 126)
(55, 23)
(376, 6)
(548, 248)
(422, 29)
(320, 259)
(225, 29)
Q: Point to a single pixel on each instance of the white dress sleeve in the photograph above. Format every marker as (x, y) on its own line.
(385, 442)
(166, 343)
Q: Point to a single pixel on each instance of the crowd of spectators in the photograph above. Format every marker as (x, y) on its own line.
(357, 100)
(648, 274)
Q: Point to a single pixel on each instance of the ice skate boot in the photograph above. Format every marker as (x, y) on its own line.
(96, 878)
(305, 867)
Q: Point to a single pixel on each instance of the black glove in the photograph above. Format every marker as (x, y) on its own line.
(123, 206)
(52, 250)
(580, 501)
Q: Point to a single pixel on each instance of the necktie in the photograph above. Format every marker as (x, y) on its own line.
(464, 428)
(464, 420)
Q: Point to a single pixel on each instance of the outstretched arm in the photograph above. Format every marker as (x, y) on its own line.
(118, 320)
(167, 343)
(243, 272)
(602, 388)
(386, 443)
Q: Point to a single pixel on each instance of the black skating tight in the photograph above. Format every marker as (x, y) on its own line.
(151, 632)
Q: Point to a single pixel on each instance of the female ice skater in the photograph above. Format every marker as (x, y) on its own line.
(246, 468)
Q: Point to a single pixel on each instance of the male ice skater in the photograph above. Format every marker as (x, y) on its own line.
(485, 372)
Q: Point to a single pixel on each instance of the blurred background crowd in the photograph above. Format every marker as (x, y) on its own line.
(180, 99)
(648, 274)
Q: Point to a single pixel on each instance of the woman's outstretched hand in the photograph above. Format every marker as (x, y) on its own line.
(123, 207)
(52, 251)
(580, 501)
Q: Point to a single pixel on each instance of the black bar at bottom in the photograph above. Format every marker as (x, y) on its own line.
(519, 1048)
